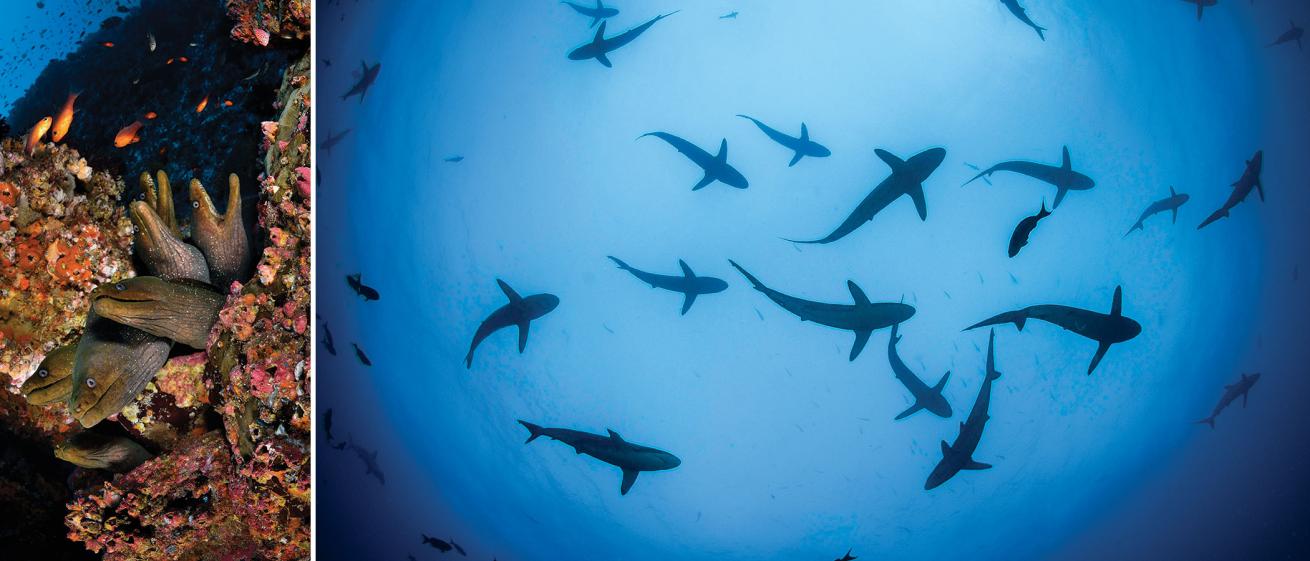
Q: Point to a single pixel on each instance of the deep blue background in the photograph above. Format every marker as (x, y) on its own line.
(789, 451)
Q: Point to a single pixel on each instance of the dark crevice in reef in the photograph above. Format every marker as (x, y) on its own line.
(121, 84)
(33, 491)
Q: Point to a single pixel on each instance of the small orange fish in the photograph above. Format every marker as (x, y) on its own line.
(128, 135)
(227, 102)
(170, 61)
(108, 44)
(151, 115)
(38, 132)
(183, 59)
(203, 104)
(65, 118)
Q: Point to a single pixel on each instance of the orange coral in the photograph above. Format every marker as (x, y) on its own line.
(8, 194)
(29, 254)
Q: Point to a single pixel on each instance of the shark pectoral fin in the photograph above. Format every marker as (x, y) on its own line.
(1244, 394)
(942, 382)
(1059, 196)
(1175, 212)
(708, 179)
(795, 158)
(523, 335)
(920, 203)
(686, 269)
(912, 410)
(513, 296)
(600, 36)
(687, 301)
(629, 477)
(1100, 353)
(1260, 188)
(976, 465)
(722, 157)
(857, 294)
(890, 159)
(1117, 306)
(861, 338)
(805, 132)
(601, 58)
(594, 21)
(1065, 163)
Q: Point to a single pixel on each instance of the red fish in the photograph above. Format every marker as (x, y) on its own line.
(151, 115)
(38, 132)
(65, 118)
(128, 135)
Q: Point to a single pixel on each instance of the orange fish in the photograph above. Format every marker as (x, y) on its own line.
(128, 135)
(65, 118)
(151, 115)
(227, 103)
(38, 132)
(203, 104)
(183, 59)
(108, 44)
(170, 61)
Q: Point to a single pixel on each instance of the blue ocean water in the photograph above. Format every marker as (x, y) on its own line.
(789, 450)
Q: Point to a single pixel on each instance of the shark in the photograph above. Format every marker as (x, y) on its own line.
(520, 311)
(716, 166)
(325, 147)
(924, 396)
(363, 358)
(366, 79)
(370, 460)
(802, 146)
(597, 14)
(862, 317)
(1105, 329)
(356, 283)
(612, 449)
(958, 456)
(1168, 204)
(1292, 34)
(1250, 181)
(906, 179)
(600, 46)
(1022, 14)
(1064, 178)
(1231, 392)
(729, 15)
(1201, 5)
(687, 283)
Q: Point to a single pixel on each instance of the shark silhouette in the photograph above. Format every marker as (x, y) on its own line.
(716, 166)
(1167, 204)
(687, 283)
(1250, 181)
(1293, 34)
(1231, 393)
(519, 312)
(1105, 329)
(1064, 178)
(959, 455)
(924, 396)
(802, 146)
(1022, 14)
(906, 180)
(366, 79)
(600, 46)
(1201, 5)
(631, 458)
(600, 12)
(862, 317)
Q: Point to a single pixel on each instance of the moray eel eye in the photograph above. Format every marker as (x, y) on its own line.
(90, 383)
(119, 287)
(195, 204)
(42, 373)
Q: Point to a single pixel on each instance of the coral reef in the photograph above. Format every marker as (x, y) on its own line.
(258, 21)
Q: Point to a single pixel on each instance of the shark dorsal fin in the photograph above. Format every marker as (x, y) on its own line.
(860, 298)
(723, 152)
(1117, 307)
(600, 5)
(1066, 164)
(686, 270)
(514, 297)
(365, 65)
(600, 33)
(890, 159)
(805, 132)
(614, 435)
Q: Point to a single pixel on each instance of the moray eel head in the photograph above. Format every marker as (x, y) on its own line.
(163, 253)
(97, 451)
(53, 379)
(222, 238)
(182, 310)
(113, 364)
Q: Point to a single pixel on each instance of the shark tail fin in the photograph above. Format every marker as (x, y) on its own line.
(1044, 212)
(1017, 317)
(749, 277)
(1206, 421)
(619, 262)
(1137, 226)
(533, 430)
(1041, 32)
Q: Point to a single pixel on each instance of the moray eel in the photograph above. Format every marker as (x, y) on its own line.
(53, 379)
(97, 451)
(158, 241)
(222, 238)
(181, 310)
(114, 363)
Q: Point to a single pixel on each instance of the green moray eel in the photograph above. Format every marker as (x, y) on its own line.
(157, 240)
(181, 310)
(114, 363)
(97, 451)
(53, 379)
(222, 238)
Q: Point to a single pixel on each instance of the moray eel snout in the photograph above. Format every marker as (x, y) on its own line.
(222, 238)
(113, 363)
(163, 253)
(181, 310)
(53, 379)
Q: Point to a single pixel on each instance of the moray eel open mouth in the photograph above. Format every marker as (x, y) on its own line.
(222, 238)
(53, 379)
(158, 240)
